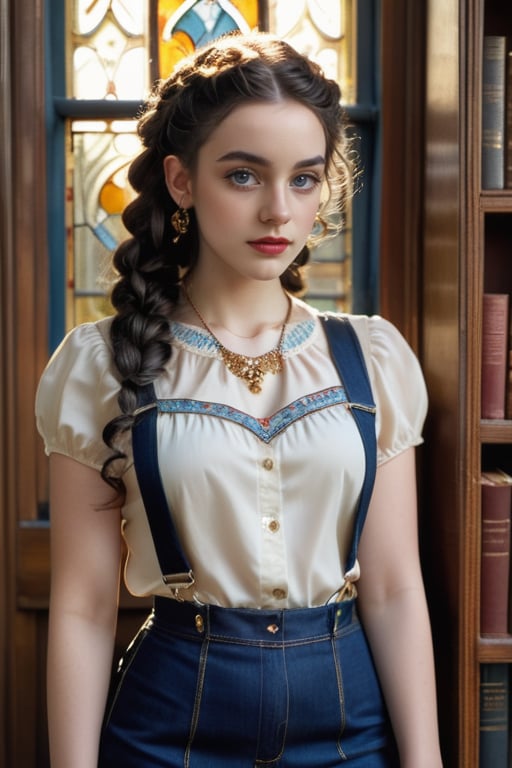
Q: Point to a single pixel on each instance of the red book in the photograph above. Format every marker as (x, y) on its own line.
(508, 394)
(495, 562)
(494, 354)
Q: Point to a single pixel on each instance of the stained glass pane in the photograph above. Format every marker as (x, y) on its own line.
(109, 49)
(101, 154)
(185, 26)
(324, 30)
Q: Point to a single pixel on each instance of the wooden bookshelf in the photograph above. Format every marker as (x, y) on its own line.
(465, 227)
(495, 430)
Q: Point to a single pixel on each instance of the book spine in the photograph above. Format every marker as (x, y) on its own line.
(494, 354)
(494, 715)
(508, 122)
(508, 394)
(495, 562)
(493, 112)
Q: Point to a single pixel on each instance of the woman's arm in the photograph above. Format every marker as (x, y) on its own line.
(85, 566)
(394, 612)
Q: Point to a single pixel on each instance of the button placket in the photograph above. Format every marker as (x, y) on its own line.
(274, 577)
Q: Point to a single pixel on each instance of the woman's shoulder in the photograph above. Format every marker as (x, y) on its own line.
(77, 393)
(375, 334)
(396, 379)
(90, 337)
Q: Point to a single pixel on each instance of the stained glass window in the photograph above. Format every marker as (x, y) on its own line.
(116, 49)
(109, 56)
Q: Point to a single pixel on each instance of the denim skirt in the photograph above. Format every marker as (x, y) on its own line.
(207, 687)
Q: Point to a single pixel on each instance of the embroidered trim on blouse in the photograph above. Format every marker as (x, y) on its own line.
(197, 339)
(265, 429)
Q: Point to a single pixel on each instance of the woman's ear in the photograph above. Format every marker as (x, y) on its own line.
(178, 181)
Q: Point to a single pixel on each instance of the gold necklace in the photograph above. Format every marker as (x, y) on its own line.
(251, 369)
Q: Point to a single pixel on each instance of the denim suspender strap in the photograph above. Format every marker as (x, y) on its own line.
(176, 571)
(348, 358)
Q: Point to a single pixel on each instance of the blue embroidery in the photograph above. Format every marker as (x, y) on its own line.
(193, 337)
(264, 429)
(200, 340)
(297, 334)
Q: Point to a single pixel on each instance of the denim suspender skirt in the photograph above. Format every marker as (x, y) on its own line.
(202, 686)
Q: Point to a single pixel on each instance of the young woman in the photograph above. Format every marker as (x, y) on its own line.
(233, 431)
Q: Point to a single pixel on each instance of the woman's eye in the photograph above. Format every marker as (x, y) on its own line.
(242, 177)
(305, 181)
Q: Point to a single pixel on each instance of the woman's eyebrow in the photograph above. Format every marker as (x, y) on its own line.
(249, 157)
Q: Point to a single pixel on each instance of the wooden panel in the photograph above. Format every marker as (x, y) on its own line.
(442, 360)
(5, 292)
(403, 25)
(25, 331)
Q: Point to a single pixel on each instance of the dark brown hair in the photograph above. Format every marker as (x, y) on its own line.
(178, 118)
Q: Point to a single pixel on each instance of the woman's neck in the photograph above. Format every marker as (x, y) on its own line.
(245, 310)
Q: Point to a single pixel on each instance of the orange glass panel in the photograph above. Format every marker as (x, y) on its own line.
(185, 26)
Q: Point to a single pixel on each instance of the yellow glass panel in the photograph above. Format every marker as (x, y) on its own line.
(185, 26)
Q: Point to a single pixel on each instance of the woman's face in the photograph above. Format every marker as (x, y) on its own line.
(256, 189)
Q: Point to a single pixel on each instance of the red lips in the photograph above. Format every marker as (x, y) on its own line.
(272, 246)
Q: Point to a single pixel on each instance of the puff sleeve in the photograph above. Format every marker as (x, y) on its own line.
(77, 395)
(398, 386)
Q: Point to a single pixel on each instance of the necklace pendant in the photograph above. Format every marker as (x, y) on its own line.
(252, 370)
(255, 381)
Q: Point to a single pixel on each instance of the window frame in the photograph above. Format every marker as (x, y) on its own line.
(364, 117)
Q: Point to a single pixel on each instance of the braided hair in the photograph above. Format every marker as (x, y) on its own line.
(180, 114)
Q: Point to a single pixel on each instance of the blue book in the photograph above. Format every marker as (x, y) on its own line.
(494, 715)
(493, 111)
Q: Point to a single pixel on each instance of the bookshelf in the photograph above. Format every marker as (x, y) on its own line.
(467, 250)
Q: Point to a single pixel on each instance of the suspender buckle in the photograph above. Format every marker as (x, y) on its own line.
(177, 581)
(347, 592)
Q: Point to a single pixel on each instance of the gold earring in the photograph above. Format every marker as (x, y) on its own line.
(180, 221)
(320, 227)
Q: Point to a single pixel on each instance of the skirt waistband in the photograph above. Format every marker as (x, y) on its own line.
(253, 625)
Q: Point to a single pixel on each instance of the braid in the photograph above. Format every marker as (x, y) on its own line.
(178, 118)
(143, 296)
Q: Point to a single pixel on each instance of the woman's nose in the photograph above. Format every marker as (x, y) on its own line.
(275, 207)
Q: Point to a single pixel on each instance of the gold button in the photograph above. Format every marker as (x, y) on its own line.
(268, 464)
(279, 594)
(199, 623)
(274, 526)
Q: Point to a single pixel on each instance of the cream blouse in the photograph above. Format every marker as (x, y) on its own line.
(263, 488)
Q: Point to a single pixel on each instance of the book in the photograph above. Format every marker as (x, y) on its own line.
(494, 715)
(493, 111)
(508, 385)
(496, 487)
(508, 121)
(495, 312)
